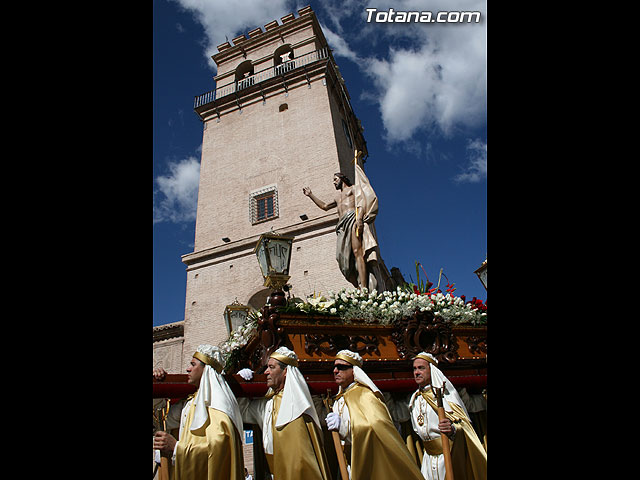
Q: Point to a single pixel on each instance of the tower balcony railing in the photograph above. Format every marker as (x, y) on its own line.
(258, 77)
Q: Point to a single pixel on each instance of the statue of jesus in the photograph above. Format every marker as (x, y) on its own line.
(357, 246)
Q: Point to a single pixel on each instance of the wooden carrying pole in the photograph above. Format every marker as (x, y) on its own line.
(164, 461)
(342, 461)
(446, 449)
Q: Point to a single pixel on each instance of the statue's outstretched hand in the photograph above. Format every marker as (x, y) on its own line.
(306, 191)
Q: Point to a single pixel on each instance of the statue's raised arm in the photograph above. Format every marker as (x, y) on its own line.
(324, 206)
(356, 249)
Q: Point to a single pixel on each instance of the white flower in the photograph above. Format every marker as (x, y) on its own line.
(320, 302)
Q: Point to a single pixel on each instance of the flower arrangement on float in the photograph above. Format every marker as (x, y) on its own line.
(361, 304)
(238, 338)
(386, 307)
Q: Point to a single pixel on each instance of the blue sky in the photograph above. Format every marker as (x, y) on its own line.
(419, 90)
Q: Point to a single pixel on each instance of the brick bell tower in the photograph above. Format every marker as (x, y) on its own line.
(279, 119)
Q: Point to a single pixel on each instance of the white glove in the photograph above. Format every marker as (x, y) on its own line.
(246, 373)
(333, 421)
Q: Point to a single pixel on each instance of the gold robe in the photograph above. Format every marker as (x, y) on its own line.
(377, 449)
(212, 452)
(298, 452)
(468, 457)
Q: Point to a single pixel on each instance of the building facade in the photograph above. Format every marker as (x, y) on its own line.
(280, 119)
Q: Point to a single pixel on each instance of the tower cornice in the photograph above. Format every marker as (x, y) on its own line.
(317, 226)
(242, 45)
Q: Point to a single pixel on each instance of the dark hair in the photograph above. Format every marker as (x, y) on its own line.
(344, 178)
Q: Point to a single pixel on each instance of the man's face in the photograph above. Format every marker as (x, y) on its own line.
(275, 375)
(337, 182)
(421, 372)
(343, 373)
(194, 371)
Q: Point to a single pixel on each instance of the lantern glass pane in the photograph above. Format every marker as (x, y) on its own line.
(483, 277)
(279, 251)
(237, 318)
(262, 259)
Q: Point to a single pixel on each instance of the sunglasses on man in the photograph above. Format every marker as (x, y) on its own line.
(341, 366)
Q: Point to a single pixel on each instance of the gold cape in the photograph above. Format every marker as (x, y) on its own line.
(377, 449)
(298, 451)
(468, 457)
(212, 452)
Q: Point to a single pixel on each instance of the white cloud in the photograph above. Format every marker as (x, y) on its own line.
(431, 79)
(176, 198)
(338, 45)
(221, 18)
(476, 169)
(338, 11)
(439, 84)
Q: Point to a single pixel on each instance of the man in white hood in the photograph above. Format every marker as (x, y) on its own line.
(291, 431)
(468, 456)
(209, 445)
(362, 420)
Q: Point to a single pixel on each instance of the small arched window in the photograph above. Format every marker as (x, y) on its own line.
(244, 74)
(282, 59)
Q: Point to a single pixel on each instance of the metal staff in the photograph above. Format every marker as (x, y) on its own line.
(446, 450)
(342, 461)
(162, 419)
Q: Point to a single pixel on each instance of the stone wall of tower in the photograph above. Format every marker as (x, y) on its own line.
(292, 138)
(215, 283)
(260, 147)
